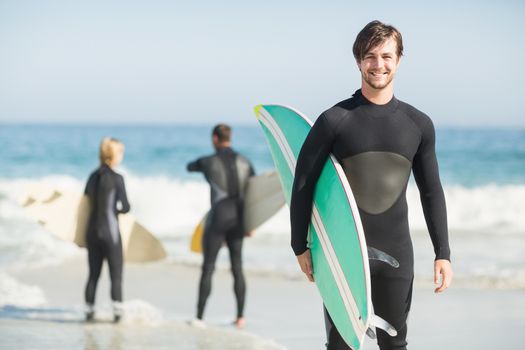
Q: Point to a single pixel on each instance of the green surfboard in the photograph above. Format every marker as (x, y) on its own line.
(336, 238)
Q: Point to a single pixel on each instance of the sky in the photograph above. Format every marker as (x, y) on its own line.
(200, 62)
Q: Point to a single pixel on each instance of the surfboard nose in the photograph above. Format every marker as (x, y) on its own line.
(257, 109)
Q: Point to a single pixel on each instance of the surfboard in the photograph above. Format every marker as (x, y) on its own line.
(66, 215)
(196, 237)
(336, 238)
(264, 197)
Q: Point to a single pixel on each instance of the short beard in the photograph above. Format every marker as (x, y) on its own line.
(377, 86)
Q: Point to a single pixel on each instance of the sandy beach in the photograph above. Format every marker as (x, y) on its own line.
(281, 313)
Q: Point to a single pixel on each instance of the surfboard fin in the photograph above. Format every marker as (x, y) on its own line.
(29, 201)
(53, 197)
(376, 254)
(378, 322)
(371, 334)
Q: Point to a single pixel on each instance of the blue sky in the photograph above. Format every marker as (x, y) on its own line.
(205, 61)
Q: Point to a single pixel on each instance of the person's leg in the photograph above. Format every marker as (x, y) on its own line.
(115, 258)
(95, 259)
(335, 341)
(211, 244)
(392, 299)
(115, 262)
(239, 284)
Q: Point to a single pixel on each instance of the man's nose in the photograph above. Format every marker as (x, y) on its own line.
(377, 62)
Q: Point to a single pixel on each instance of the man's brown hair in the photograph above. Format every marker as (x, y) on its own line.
(374, 34)
(223, 132)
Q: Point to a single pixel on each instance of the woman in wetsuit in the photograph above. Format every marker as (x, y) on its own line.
(107, 195)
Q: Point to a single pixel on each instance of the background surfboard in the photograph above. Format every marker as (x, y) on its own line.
(264, 198)
(336, 238)
(66, 214)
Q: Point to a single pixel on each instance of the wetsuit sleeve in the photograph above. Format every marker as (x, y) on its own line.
(252, 170)
(426, 174)
(312, 157)
(122, 196)
(90, 185)
(195, 165)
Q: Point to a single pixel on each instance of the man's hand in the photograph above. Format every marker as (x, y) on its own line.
(249, 233)
(305, 262)
(442, 272)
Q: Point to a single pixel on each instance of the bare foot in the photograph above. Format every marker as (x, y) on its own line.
(240, 323)
(197, 323)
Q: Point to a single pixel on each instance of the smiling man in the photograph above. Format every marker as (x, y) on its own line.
(378, 140)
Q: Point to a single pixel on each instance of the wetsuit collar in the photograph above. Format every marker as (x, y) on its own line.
(391, 105)
(223, 149)
(104, 166)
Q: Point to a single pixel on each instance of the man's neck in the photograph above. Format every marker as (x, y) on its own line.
(223, 145)
(377, 96)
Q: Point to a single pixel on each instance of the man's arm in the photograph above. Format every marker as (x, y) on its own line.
(305, 262)
(195, 166)
(426, 174)
(442, 275)
(313, 155)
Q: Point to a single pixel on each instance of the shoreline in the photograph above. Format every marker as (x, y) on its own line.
(280, 311)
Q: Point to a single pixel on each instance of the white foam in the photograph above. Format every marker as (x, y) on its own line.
(24, 243)
(492, 207)
(15, 293)
(138, 311)
(171, 208)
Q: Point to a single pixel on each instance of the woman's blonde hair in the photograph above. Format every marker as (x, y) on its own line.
(109, 148)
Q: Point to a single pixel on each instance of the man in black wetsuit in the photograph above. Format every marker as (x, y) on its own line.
(378, 140)
(227, 172)
(107, 197)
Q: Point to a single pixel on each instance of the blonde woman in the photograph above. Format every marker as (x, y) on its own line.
(107, 194)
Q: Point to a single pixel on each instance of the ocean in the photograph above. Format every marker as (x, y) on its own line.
(482, 170)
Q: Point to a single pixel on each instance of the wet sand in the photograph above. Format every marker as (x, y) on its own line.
(280, 312)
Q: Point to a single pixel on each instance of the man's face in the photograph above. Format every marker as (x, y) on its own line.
(379, 65)
(215, 141)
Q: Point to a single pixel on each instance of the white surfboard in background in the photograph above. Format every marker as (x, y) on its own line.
(264, 198)
(66, 214)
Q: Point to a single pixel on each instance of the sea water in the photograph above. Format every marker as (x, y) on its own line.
(482, 171)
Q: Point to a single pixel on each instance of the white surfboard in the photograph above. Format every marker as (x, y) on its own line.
(264, 198)
(66, 214)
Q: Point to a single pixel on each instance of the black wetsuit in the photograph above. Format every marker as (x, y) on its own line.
(227, 172)
(377, 146)
(105, 189)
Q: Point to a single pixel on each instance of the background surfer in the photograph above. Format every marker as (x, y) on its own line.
(107, 196)
(228, 173)
(378, 140)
